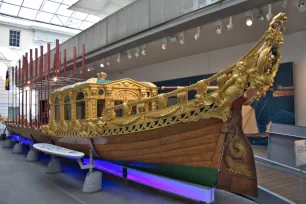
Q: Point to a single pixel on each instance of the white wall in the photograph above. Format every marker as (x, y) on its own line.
(294, 50)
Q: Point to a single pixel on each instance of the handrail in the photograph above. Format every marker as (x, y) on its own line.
(284, 167)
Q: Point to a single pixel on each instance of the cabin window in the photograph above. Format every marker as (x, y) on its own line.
(80, 106)
(100, 106)
(57, 109)
(118, 112)
(67, 108)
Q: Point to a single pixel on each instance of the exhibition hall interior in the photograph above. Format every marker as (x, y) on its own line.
(152, 101)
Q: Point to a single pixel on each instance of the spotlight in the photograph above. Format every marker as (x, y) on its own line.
(27, 88)
(269, 16)
(164, 43)
(301, 5)
(198, 34)
(143, 50)
(249, 18)
(89, 69)
(285, 4)
(182, 38)
(108, 61)
(129, 54)
(102, 64)
(219, 27)
(54, 78)
(137, 52)
(118, 57)
(230, 23)
(28, 82)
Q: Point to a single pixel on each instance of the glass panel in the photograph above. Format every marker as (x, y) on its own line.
(67, 109)
(57, 112)
(56, 21)
(80, 110)
(67, 99)
(9, 9)
(75, 25)
(32, 4)
(16, 2)
(69, 2)
(57, 101)
(27, 13)
(50, 7)
(118, 112)
(85, 25)
(79, 15)
(63, 10)
(80, 96)
(44, 17)
(93, 19)
(100, 106)
(63, 19)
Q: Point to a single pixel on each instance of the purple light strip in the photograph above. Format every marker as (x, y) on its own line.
(193, 192)
(20, 139)
(106, 166)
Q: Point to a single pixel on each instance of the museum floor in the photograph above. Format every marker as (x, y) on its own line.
(22, 182)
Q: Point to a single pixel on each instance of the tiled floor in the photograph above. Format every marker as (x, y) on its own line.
(24, 182)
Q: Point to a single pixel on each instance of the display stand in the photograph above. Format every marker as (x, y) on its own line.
(8, 143)
(18, 148)
(93, 180)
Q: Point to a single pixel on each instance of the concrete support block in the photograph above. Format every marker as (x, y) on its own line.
(93, 182)
(18, 148)
(7, 143)
(54, 165)
(3, 136)
(32, 155)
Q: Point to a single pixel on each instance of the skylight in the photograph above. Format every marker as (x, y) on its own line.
(54, 12)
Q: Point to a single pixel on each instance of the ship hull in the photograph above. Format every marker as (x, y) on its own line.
(199, 152)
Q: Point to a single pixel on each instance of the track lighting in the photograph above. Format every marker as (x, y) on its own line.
(54, 78)
(27, 88)
(219, 27)
(129, 54)
(143, 50)
(269, 16)
(301, 5)
(28, 82)
(118, 57)
(164, 43)
(230, 23)
(182, 38)
(198, 34)
(249, 18)
(137, 52)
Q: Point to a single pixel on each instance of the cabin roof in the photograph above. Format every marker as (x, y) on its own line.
(104, 82)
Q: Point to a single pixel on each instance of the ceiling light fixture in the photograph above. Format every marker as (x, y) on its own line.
(108, 61)
(198, 34)
(182, 38)
(230, 23)
(219, 27)
(249, 18)
(129, 54)
(164, 43)
(27, 88)
(301, 5)
(269, 16)
(118, 57)
(137, 52)
(54, 78)
(143, 50)
(28, 82)
(102, 63)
